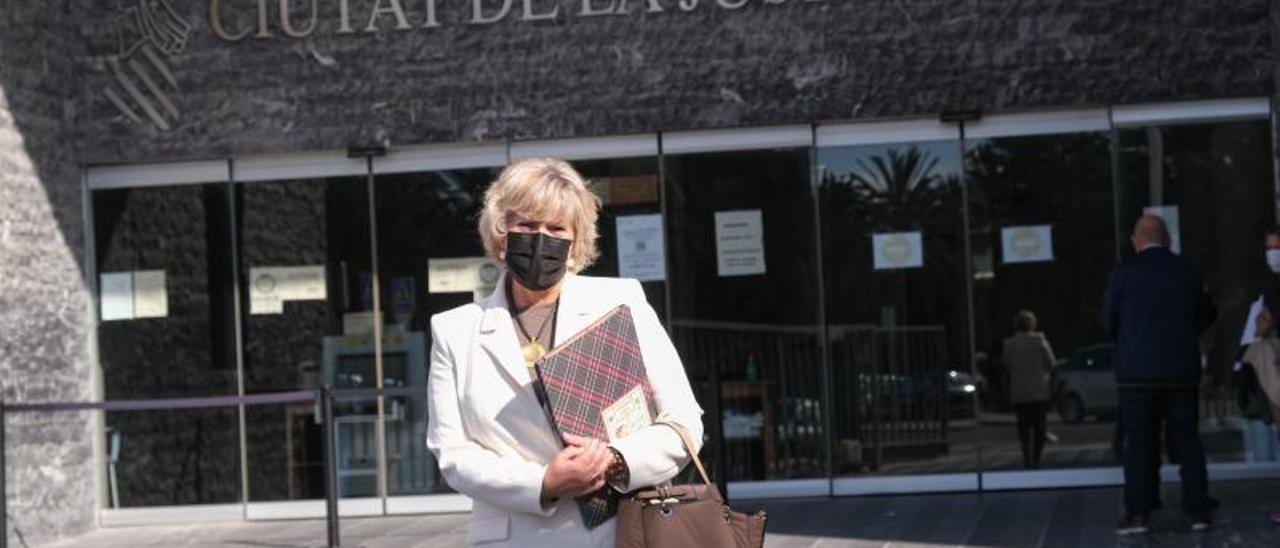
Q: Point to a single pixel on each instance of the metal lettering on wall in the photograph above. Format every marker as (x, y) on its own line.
(372, 16)
(147, 35)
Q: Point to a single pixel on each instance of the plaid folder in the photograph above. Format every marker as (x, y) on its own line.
(585, 375)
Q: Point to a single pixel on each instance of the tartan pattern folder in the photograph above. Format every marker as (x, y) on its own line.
(586, 374)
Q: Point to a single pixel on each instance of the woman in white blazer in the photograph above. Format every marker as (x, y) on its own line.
(486, 426)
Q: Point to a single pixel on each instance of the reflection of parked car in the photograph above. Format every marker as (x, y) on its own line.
(1086, 383)
(962, 390)
(912, 394)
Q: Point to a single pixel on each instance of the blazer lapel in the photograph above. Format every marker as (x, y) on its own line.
(498, 335)
(577, 310)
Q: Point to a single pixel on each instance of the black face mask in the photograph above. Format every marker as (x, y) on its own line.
(536, 260)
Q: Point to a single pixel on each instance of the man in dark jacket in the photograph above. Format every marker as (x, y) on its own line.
(1155, 308)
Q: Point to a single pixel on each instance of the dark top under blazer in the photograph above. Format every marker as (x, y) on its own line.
(1155, 309)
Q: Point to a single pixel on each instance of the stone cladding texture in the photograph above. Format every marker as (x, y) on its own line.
(45, 333)
(792, 62)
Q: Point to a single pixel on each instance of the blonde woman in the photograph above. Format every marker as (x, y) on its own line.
(486, 426)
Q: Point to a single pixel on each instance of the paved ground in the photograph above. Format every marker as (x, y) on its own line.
(1046, 519)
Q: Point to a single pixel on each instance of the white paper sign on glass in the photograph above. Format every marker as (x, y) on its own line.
(740, 242)
(894, 250)
(271, 286)
(641, 254)
(460, 274)
(115, 295)
(1027, 244)
(150, 296)
(476, 275)
(1170, 215)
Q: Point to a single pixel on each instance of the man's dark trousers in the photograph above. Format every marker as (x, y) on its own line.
(1141, 408)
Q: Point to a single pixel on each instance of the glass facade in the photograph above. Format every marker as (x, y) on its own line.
(1043, 236)
(841, 308)
(425, 224)
(1213, 179)
(741, 224)
(167, 330)
(304, 256)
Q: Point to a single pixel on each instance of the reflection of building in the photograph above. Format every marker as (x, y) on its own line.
(821, 125)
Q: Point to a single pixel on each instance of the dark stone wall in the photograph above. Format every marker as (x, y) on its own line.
(45, 325)
(792, 62)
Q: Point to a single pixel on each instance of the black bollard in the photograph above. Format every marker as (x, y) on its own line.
(330, 466)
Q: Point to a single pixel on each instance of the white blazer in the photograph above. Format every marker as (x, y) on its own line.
(491, 438)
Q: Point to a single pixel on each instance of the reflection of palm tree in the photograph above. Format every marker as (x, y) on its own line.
(898, 174)
(893, 191)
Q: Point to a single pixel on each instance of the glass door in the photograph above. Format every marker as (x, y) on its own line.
(307, 314)
(430, 259)
(1043, 241)
(745, 310)
(896, 300)
(167, 330)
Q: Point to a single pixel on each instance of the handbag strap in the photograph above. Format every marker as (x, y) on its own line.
(688, 449)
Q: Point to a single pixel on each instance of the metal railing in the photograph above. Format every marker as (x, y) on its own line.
(890, 388)
(325, 396)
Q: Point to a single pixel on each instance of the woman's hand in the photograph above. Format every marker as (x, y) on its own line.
(577, 469)
(1264, 324)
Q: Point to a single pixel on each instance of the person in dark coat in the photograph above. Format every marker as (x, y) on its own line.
(1155, 307)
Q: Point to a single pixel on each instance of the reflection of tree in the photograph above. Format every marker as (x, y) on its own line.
(1031, 180)
(897, 174)
(892, 192)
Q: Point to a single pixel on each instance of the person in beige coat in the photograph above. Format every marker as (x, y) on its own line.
(1264, 355)
(486, 425)
(1030, 360)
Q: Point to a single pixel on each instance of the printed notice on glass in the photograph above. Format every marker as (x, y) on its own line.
(740, 242)
(640, 249)
(271, 286)
(1170, 215)
(150, 297)
(894, 250)
(115, 292)
(1027, 244)
(456, 275)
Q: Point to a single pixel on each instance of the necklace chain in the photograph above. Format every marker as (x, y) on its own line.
(542, 328)
(532, 350)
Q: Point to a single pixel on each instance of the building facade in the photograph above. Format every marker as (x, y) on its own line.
(835, 205)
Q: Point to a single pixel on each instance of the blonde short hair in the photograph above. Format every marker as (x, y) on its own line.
(545, 189)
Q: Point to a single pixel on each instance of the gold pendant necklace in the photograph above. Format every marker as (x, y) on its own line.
(533, 350)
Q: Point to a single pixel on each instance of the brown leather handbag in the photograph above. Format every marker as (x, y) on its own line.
(680, 516)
